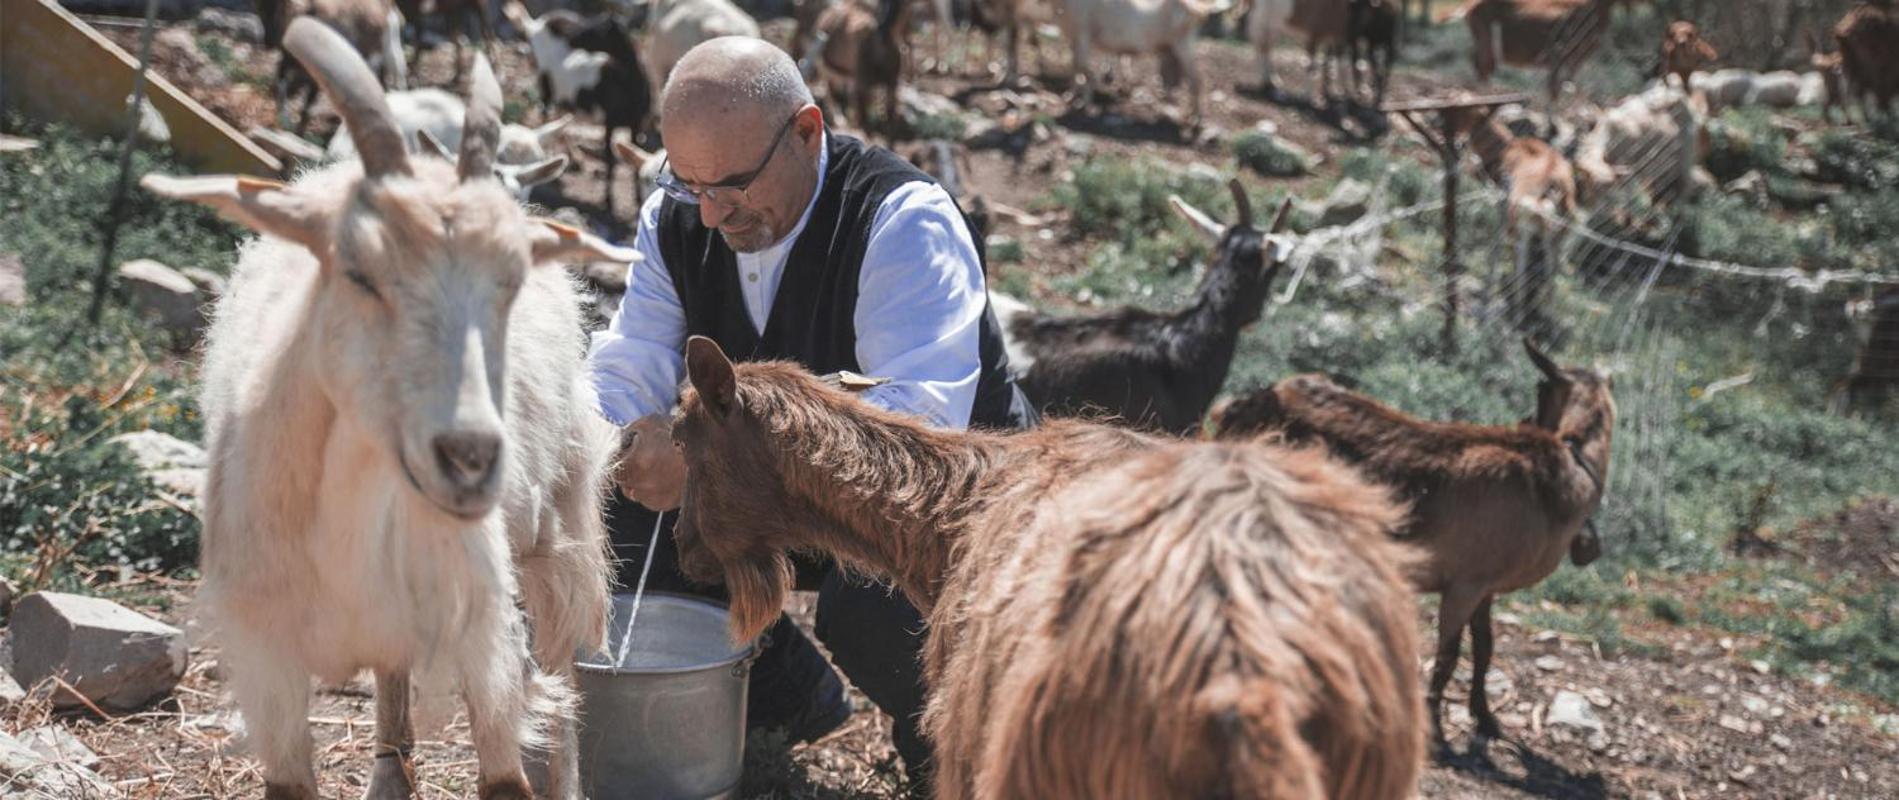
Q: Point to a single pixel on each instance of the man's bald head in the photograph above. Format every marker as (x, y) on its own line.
(734, 74)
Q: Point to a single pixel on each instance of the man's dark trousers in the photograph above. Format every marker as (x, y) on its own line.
(875, 636)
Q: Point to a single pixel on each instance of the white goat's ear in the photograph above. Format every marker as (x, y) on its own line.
(545, 133)
(711, 374)
(264, 206)
(631, 154)
(541, 172)
(553, 242)
(1196, 217)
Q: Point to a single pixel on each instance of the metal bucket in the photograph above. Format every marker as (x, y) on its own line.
(669, 723)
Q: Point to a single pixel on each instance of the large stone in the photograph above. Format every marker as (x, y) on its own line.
(115, 657)
(10, 690)
(1349, 201)
(25, 774)
(174, 465)
(59, 744)
(1572, 710)
(12, 280)
(166, 294)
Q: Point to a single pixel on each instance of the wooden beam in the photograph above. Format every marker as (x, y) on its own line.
(56, 68)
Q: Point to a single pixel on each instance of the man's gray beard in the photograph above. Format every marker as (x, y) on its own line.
(736, 248)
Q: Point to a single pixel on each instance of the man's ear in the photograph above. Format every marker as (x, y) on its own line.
(265, 206)
(554, 242)
(711, 374)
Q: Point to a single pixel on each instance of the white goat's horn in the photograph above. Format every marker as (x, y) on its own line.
(481, 129)
(353, 89)
(1242, 205)
(1198, 218)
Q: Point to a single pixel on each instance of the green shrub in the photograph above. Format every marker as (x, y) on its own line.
(939, 126)
(1263, 153)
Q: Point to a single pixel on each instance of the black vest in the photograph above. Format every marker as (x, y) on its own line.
(812, 318)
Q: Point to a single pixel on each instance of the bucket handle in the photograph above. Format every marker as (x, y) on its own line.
(743, 667)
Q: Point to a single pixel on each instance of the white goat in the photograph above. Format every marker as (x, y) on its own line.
(1165, 28)
(1265, 20)
(521, 161)
(404, 443)
(675, 26)
(564, 71)
(645, 167)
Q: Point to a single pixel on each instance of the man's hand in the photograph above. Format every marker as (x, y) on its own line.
(651, 471)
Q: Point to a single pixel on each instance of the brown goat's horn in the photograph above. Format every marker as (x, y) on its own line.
(1242, 206)
(1283, 217)
(481, 128)
(353, 89)
(1543, 362)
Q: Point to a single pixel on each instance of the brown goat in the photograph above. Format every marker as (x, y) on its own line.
(1539, 189)
(1684, 51)
(1868, 37)
(1110, 615)
(1557, 35)
(1875, 373)
(860, 49)
(1832, 71)
(1495, 507)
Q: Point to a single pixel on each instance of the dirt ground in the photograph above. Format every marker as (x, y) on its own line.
(1688, 716)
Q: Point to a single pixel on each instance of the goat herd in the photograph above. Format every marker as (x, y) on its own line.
(1116, 610)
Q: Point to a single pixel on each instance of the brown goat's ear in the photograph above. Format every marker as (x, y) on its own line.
(265, 206)
(1283, 217)
(554, 242)
(1543, 362)
(711, 374)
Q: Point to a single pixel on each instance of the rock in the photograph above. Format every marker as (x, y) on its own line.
(17, 144)
(1271, 156)
(152, 127)
(915, 103)
(240, 25)
(1752, 186)
(12, 280)
(162, 292)
(174, 465)
(58, 744)
(1780, 741)
(27, 775)
(1549, 663)
(1349, 201)
(10, 690)
(117, 658)
(1572, 710)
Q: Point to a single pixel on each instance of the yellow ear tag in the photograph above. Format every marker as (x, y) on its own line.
(853, 382)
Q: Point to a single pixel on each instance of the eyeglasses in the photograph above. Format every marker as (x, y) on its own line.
(680, 191)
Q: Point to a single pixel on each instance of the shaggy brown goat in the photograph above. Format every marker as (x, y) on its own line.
(1539, 184)
(1153, 371)
(860, 49)
(1110, 615)
(1495, 507)
(1869, 53)
(1684, 51)
(1832, 71)
(1557, 35)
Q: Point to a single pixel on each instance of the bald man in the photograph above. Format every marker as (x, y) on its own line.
(781, 240)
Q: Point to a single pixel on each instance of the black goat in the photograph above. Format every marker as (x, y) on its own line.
(615, 84)
(1152, 371)
(1373, 26)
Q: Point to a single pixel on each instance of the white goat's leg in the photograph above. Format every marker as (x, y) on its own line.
(1192, 70)
(1084, 77)
(393, 775)
(273, 694)
(498, 710)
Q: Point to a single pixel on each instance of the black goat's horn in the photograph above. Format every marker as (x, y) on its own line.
(1242, 206)
(353, 89)
(1283, 217)
(481, 128)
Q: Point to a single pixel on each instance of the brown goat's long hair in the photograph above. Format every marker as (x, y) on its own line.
(1111, 615)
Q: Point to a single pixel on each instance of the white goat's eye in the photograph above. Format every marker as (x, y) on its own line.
(362, 282)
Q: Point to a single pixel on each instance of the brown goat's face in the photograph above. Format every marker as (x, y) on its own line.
(1578, 405)
(733, 518)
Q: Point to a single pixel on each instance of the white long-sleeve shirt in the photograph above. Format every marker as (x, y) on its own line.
(919, 311)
